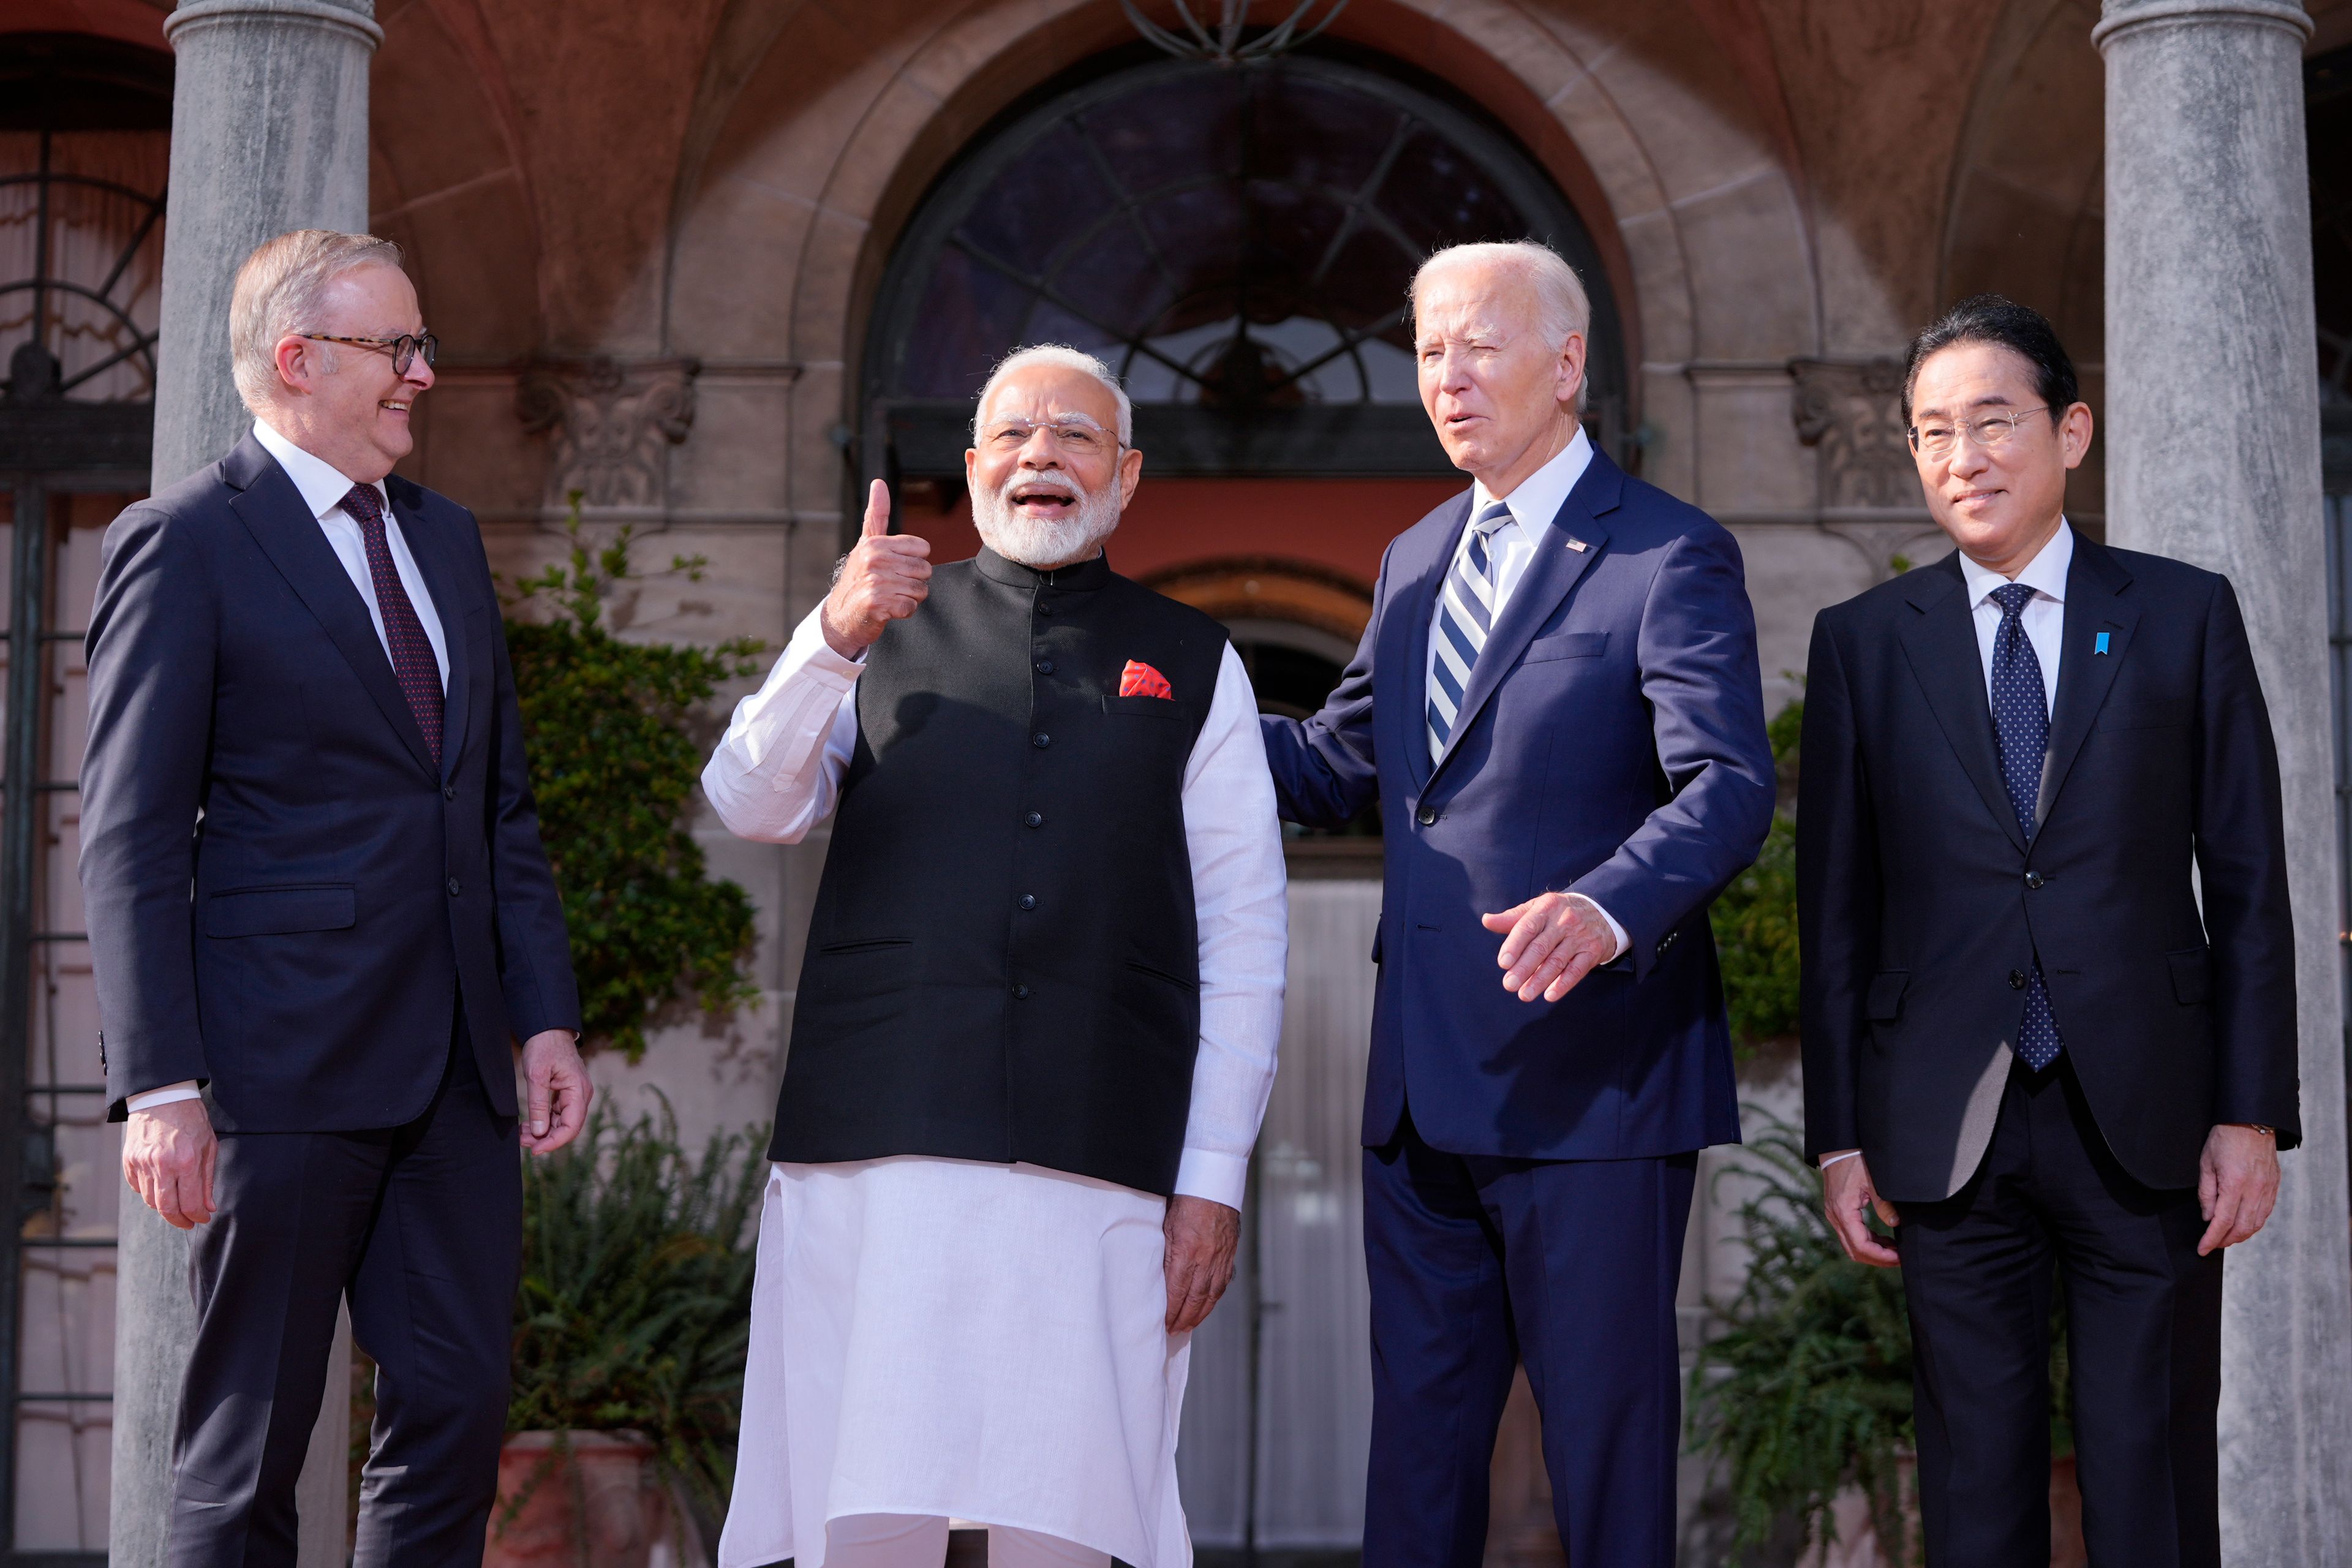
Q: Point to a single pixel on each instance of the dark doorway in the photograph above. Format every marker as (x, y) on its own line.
(84, 147)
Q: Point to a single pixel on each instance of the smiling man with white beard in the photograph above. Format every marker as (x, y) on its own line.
(1036, 1027)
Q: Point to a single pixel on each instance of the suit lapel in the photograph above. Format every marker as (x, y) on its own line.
(2094, 604)
(1419, 608)
(432, 553)
(1940, 641)
(274, 512)
(1556, 568)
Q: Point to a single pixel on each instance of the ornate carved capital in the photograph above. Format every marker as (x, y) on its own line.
(611, 424)
(1853, 414)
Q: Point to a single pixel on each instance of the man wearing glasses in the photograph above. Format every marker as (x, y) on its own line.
(2048, 974)
(1034, 1030)
(320, 915)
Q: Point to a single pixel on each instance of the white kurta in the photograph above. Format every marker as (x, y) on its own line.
(984, 1342)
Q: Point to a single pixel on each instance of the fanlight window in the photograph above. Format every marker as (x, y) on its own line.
(1236, 243)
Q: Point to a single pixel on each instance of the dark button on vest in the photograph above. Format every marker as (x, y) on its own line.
(974, 990)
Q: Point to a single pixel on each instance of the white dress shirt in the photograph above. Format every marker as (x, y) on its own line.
(778, 770)
(1534, 504)
(2044, 615)
(323, 489)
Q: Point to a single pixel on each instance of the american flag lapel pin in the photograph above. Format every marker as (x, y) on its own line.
(2099, 644)
(1578, 545)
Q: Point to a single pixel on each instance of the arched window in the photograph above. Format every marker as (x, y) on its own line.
(1236, 243)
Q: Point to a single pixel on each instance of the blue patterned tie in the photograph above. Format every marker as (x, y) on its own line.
(1465, 614)
(2020, 719)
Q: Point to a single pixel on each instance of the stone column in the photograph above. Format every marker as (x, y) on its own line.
(269, 131)
(2212, 432)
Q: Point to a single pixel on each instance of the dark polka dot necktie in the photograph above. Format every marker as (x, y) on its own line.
(2020, 721)
(413, 664)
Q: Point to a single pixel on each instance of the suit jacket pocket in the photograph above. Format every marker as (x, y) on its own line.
(2192, 975)
(1150, 707)
(1566, 645)
(273, 911)
(1886, 998)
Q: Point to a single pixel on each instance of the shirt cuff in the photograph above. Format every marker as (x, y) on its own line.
(1220, 1178)
(1624, 941)
(147, 1099)
(1829, 1159)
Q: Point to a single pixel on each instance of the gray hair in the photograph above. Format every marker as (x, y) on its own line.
(277, 292)
(1563, 309)
(1068, 359)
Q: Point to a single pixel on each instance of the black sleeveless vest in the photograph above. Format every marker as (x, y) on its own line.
(1003, 962)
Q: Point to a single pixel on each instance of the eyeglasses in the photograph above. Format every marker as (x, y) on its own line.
(1079, 440)
(1989, 432)
(403, 348)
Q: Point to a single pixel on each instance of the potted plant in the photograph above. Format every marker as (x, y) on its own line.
(631, 1327)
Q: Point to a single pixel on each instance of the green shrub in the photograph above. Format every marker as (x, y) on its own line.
(635, 1303)
(1755, 917)
(1808, 1386)
(615, 757)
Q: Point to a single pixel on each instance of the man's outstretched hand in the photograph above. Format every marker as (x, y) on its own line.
(1203, 1236)
(881, 580)
(1550, 944)
(556, 1108)
(167, 1157)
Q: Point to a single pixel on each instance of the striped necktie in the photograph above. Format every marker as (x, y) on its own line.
(1466, 615)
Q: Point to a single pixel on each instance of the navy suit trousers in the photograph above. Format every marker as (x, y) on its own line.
(1478, 1263)
(422, 1225)
(2143, 1339)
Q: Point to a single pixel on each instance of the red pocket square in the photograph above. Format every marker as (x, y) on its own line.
(1139, 680)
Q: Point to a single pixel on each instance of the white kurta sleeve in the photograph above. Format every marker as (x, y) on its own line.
(778, 769)
(1239, 900)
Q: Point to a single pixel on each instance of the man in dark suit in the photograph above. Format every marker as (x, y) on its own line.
(319, 913)
(2049, 984)
(1557, 707)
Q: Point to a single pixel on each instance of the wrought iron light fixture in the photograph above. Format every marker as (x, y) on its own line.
(1222, 43)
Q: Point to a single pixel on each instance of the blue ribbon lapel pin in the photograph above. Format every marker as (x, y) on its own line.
(2099, 644)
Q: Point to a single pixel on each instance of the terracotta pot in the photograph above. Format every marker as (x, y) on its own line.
(589, 1499)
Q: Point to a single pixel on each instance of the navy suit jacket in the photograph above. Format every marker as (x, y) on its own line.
(285, 900)
(1611, 744)
(1923, 904)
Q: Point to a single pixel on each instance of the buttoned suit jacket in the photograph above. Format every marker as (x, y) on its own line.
(1611, 742)
(1923, 905)
(286, 900)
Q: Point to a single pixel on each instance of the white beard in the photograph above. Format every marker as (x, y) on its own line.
(1042, 543)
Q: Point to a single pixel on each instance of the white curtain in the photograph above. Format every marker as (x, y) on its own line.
(1305, 1274)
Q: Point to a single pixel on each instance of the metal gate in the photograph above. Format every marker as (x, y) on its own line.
(84, 127)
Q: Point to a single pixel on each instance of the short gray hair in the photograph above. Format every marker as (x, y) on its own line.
(277, 291)
(1563, 309)
(1068, 359)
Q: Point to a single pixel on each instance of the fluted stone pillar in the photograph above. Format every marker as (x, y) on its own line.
(2212, 432)
(269, 131)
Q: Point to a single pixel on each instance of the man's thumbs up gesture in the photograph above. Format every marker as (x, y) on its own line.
(879, 581)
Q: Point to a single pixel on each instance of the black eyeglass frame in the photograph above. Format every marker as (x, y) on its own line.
(404, 349)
